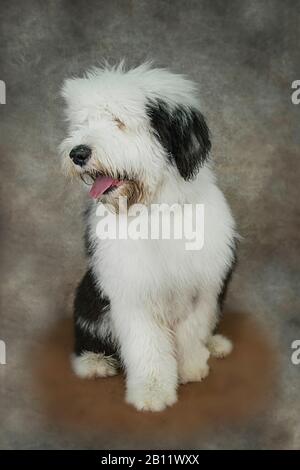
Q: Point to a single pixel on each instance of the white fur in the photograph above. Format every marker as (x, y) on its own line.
(163, 297)
(90, 365)
(219, 346)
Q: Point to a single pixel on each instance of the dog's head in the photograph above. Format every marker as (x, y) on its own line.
(129, 131)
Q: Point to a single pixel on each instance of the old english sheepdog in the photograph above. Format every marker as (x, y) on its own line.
(147, 306)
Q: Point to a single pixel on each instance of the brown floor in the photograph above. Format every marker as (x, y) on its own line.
(238, 388)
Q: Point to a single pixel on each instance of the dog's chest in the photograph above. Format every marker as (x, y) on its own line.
(151, 273)
(143, 261)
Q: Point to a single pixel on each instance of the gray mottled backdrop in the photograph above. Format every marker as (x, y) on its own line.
(244, 55)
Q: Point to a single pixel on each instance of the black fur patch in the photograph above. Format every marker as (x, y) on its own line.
(88, 244)
(90, 307)
(227, 278)
(183, 133)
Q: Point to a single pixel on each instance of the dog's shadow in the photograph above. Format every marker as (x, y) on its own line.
(238, 387)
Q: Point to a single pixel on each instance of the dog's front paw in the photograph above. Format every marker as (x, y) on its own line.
(152, 396)
(194, 367)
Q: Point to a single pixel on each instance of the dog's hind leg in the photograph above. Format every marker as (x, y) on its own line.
(192, 334)
(95, 349)
(219, 346)
(89, 365)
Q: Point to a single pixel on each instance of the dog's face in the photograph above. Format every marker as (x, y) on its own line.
(129, 131)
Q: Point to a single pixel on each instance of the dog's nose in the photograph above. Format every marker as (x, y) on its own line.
(80, 154)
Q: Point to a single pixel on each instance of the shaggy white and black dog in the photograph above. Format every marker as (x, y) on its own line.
(149, 306)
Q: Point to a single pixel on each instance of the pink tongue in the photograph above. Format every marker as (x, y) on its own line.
(101, 184)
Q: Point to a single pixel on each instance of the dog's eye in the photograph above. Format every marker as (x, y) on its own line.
(120, 124)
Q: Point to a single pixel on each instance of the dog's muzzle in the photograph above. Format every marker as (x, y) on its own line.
(80, 154)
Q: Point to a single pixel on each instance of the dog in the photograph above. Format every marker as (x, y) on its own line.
(148, 307)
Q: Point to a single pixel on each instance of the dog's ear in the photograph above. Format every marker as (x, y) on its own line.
(183, 133)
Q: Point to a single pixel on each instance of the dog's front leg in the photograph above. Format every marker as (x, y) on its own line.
(147, 351)
(195, 339)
